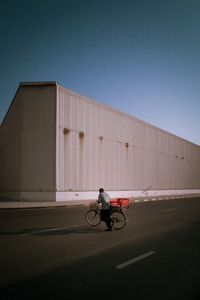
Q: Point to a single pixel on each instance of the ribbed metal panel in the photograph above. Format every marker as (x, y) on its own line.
(53, 139)
(117, 151)
(28, 141)
(38, 140)
(11, 146)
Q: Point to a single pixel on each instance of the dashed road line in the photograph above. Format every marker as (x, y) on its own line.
(48, 230)
(170, 209)
(134, 260)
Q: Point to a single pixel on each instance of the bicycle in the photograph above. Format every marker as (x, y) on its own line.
(117, 216)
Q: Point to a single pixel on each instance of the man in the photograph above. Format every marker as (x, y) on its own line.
(104, 199)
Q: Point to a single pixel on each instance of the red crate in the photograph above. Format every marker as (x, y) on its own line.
(119, 202)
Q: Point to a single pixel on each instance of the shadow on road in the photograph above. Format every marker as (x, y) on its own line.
(78, 229)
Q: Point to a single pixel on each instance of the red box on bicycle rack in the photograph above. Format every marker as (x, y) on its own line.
(119, 202)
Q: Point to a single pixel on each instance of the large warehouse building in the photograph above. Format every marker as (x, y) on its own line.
(58, 145)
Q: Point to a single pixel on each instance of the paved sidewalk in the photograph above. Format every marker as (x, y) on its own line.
(30, 205)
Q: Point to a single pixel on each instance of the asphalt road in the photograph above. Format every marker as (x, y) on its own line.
(53, 254)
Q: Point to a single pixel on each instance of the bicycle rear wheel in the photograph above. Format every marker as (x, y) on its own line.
(93, 217)
(118, 219)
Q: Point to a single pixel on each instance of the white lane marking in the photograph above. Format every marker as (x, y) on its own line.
(134, 260)
(47, 230)
(170, 209)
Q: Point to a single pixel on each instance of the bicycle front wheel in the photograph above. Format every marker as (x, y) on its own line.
(118, 219)
(93, 217)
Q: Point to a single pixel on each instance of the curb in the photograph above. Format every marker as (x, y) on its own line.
(159, 198)
(41, 207)
(34, 205)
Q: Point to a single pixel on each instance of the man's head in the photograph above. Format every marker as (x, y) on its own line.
(101, 190)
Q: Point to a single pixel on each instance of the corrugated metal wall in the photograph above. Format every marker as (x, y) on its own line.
(11, 146)
(38, 140)
(27, 141)
(117, 151)
(53, 139)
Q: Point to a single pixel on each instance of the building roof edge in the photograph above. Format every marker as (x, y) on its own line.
(39, 83)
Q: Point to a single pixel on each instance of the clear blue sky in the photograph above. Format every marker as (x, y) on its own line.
(141, 57)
